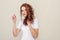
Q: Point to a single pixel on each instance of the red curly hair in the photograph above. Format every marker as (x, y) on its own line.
(30, 13)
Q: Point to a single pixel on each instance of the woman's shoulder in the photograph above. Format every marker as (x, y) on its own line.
(35, 19)
(35, 23)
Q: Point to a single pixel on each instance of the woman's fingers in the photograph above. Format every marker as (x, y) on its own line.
(14, 18)
(28, 22)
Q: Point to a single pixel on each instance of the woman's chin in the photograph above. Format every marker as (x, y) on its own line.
(23, 18)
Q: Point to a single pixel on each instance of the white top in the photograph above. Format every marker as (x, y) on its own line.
(26, 33)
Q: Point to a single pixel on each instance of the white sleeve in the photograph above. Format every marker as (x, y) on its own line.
(19, 25)
(35, 24)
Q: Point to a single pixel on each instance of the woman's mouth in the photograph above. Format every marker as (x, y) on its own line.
(23, 14)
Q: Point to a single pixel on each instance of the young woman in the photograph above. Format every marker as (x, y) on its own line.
(28, 23)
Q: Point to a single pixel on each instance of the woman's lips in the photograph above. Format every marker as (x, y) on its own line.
(23, 14)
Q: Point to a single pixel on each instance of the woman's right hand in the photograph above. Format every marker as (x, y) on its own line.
(14, 18)
(15, 30)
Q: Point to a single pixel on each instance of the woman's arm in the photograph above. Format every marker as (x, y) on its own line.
(15, 30)
(34, 31)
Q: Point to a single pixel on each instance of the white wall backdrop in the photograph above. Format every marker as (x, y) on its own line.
(47, 12)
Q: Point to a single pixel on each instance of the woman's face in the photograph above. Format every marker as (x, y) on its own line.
(24, 12)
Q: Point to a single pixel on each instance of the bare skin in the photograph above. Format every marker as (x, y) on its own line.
(33, 31)
(16, 31)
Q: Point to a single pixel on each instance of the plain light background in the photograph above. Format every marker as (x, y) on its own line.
(46, 11)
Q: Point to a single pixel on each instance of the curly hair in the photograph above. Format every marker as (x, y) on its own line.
(30, 13)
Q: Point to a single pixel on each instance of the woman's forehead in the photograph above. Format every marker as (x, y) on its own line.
(23, 8)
